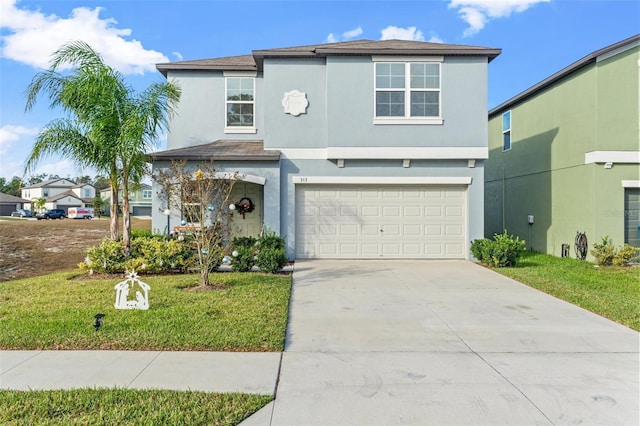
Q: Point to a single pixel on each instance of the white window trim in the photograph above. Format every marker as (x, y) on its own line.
(505, 131)
(629, 157)
(408, 119)
(631, 183)
(145, 191)
(239, 129)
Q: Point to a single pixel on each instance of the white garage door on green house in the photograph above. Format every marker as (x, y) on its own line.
(373, 221)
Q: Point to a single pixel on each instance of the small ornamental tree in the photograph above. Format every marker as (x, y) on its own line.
(200, 198)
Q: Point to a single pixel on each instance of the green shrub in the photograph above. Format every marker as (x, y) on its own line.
(271, 260)
(604, 251)
(503, 250)
(271, 240)
(481, 249)
(244, 261)
(149, 255)
(244, 242)
(625, 254)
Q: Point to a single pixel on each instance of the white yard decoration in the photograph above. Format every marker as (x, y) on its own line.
(126, 287)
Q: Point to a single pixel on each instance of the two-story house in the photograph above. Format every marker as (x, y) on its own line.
(567, 152)
(360, 149)
(140, 199)
(60, 193)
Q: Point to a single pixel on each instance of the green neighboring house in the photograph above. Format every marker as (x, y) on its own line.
(139, 200)
(567, 152)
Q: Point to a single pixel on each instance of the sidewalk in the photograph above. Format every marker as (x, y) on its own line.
(247, 372)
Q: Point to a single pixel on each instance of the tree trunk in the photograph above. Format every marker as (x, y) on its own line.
(113, 209)
(126, 228)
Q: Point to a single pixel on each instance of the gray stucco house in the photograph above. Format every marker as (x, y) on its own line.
(360, 149)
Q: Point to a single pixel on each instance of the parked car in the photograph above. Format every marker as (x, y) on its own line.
(22, 213)
(52, 214)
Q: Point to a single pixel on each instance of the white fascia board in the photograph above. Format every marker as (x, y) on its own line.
(409, 153)
(303, 153)
(612, 157)
(631, 183)
(383, 180)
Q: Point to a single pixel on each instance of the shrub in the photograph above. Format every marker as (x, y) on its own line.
(244, 261)
(604, 251)
(481, 249)
(148, 255)
(271, 240)
(243, 242)
(625, 254)
(271, 260)
(503, 250)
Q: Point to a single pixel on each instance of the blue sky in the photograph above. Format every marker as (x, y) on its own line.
(537, 38)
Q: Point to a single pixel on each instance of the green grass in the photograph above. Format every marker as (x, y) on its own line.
(57, 312)
(613, 292)
(126, 406)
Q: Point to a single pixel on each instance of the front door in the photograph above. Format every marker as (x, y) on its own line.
(248, 224)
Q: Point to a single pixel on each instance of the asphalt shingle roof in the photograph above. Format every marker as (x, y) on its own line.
(220, 150)
(254, 61)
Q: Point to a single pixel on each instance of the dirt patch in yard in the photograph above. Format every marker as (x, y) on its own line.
(30, 247)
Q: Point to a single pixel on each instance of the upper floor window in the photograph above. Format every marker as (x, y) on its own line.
(506, 131)
(407, 92)
(240, 104)
(87, 192)
(45, 192)
(146, 194)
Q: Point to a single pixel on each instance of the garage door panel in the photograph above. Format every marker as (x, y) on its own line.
(382, 221)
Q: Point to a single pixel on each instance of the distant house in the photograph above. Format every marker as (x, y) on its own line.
(140, 199)
(567, 152)
(10, 203)
(358, 149)
(60, 194)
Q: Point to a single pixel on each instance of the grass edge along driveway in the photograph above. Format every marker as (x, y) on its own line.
(612, 292)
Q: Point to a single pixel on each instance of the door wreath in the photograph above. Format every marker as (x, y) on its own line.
(244, 206)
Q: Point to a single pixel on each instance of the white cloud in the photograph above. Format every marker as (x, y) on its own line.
(476, 13)
(352, 33)
(30, 37)
(10, 133)
(331, 38)
(178, 55)
(397, 33)
(435, 39)
(347, 35)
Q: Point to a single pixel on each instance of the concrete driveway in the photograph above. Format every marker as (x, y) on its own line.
(446, 343)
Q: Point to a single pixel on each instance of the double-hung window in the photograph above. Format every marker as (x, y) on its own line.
(407, 92)
(506, 131)
(240, 104)
(146, 194)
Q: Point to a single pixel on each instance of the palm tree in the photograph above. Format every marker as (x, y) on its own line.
(108, 126)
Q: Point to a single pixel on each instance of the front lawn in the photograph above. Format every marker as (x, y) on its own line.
(613, 292)
(126, 406)
(247, 312)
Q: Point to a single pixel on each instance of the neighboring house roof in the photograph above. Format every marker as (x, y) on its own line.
(581, 63)
(8, 198)
(68, 194)
(254, 61)
(49, 182)
(220, 150)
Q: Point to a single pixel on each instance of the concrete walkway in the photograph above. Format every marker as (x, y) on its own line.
(391, 343)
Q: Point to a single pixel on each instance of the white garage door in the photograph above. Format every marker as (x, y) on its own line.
(373, 221)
